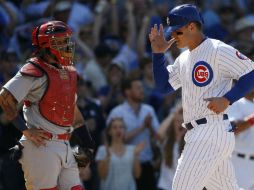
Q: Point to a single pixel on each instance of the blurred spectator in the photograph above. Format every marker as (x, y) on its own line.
(95, 123)
(210, 17)
(8, 66)
(250, 7)
(71, 12)
(110, 95)
(168, 104)
(34, 9)
(118, 163)
(244, 32)
(111, 42)
(91, 111)
(80, 15)
(171, 135)
(9, 135)
(62, 11)
(20, 42)
(141, 126)
(95, 70)
(127, 55)
(143, 47)
(88, 39)
(11, 174)
(152, 96)
(223, 29)
(228, 17)
(12, 13)
(8, 21)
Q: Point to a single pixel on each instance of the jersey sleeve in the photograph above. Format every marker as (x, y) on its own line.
(232, 63)
(174, 74)
(20, 85)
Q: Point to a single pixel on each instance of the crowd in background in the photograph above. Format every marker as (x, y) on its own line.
(116, 92)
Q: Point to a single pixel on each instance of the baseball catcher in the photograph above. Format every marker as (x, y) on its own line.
(47, 84)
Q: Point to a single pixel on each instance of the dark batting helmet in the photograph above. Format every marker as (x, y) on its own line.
(182, 15)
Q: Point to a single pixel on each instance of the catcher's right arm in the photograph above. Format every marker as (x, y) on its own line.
(8, 104)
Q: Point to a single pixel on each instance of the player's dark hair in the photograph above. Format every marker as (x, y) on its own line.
(102, 50)
(127, 83)
(144, 61)
(199, 26)
(108, 136)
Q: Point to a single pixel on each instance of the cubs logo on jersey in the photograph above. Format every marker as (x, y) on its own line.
(241, 56)
(202, 74)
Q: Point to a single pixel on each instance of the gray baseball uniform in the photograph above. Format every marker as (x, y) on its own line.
(55, 157)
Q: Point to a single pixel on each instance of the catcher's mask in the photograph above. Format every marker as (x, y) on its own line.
(56, 37)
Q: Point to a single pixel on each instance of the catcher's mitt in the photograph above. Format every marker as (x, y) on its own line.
(83, 156)
(15, 152)
(82, 146)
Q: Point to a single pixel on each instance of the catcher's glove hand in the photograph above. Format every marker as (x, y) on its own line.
(82, 146)
(83, 156)
(16, 152)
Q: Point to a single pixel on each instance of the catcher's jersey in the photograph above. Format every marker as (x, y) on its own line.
(206, 71)
(238, 111)
(32, 89)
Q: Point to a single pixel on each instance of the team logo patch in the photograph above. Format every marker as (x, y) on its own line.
(241, 56)
(63, 74)
(202, 74)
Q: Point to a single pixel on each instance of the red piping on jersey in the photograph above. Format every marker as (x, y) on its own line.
(77, 187)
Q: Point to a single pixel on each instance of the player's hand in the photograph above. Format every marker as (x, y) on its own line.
(217, 104)
(37, 136)
(158, 41)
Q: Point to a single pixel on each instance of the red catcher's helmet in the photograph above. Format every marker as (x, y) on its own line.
(55, 36)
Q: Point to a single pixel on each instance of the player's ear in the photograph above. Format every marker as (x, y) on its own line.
(191, 26)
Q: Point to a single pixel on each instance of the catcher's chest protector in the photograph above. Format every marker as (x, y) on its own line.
(58, 102)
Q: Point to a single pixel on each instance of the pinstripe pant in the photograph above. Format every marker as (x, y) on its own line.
(205, 160)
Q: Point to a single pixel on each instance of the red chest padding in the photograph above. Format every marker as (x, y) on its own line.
(30, 69)
(58, 102)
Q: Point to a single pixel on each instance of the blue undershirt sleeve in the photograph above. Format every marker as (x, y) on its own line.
(242, 87)
(160, 73)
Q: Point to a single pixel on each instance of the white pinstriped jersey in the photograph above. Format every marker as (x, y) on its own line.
(206, 71)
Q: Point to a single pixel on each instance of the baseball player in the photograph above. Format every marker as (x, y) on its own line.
(204, 72)
(241, 113)
(47, 86)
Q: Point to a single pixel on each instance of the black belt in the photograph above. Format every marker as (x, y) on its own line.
(244, 156)
(189, 126)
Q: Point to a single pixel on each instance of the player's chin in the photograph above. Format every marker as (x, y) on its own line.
(179, 45)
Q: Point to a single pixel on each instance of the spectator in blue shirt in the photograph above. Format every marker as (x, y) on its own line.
(141, 126)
